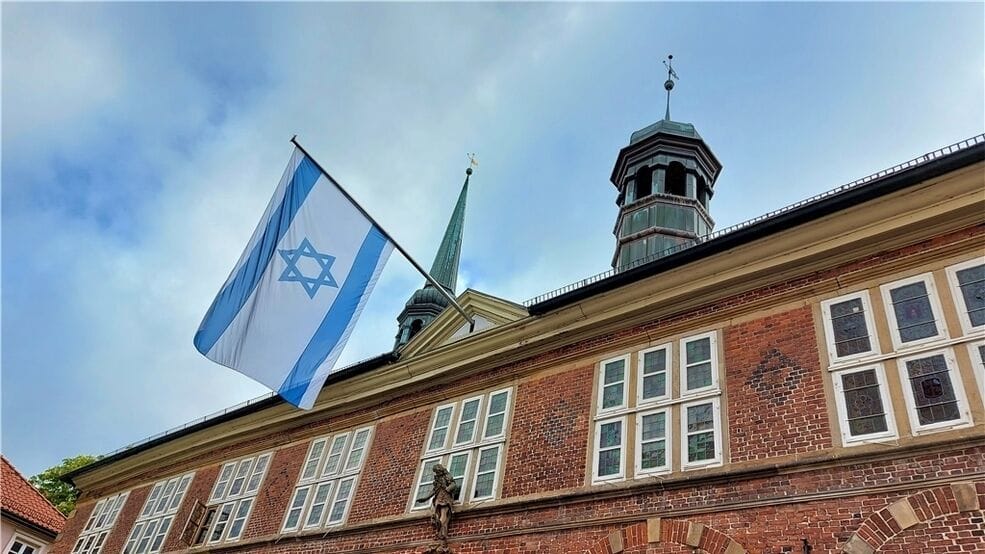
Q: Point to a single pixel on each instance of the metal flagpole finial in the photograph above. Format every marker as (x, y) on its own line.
(669, 83)
(473, 162)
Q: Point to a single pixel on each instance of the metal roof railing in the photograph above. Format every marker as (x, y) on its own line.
(919, 160)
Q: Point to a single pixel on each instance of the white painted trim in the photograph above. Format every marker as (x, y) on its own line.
(716, 411)
(309, 504)
(847, 438)
(434, 421)
(668, 443)
(478, 429)
(959, 303)
(465, 488)
(290, 505)
(956, 382)
(870, 328)
(27, 540)
(935, 307)
(497, 472)
(625, 358)
(712, 337)
(596, 450)
(507, 411)
(335, 498)
(421, 481)
(668, 363)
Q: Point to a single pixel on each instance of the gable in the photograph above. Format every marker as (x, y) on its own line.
(486, 310)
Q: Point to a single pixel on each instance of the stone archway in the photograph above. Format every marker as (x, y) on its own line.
(636, 537)
(915, 509)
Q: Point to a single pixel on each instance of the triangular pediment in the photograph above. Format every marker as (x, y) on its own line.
(486, 310)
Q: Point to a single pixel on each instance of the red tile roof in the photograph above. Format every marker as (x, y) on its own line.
(19, 498)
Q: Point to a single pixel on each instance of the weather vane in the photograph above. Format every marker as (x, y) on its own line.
(473, 162)
(669, 83)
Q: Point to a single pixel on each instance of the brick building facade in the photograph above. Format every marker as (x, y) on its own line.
(813, 381)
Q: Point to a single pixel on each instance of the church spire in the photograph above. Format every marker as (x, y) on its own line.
(445, 266)
(427, 302)
(669, 83)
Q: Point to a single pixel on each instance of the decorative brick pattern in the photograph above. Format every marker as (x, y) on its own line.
(198, 491)
(546, 450)
(391, 468)
(776, 400)
(275, 492)
(73, 528)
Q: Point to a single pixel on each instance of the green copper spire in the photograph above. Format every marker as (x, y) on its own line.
(445, 266)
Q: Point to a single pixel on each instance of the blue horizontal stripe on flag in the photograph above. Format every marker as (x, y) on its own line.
(234, 295)
(333, 327)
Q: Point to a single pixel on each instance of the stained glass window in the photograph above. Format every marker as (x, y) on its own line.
(863, 403)
(971, 281)
(913, 312)
(653, 441)
(700, 432)
(851, 334)
(933, 392)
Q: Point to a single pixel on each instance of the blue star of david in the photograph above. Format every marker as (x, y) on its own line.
(293, 274)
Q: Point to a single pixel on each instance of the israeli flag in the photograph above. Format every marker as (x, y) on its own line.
(286, 310)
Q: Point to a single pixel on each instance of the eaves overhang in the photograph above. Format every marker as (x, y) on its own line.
(348, 372)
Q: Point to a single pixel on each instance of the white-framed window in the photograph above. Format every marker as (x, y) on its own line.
(22, 545)
(701, 433)
(933, 391)
(610, 450)
(699, 363)
(653, 377)
(654, 439)
(232, 499)
(865, 411)
(468, 438)
(328, 481)
(100, 523)
(967, 280)
(613, 388)
(157, 516)
(633, 435)
(913, 310)
(849, 327)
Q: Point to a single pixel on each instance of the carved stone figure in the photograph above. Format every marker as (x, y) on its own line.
(442, 498)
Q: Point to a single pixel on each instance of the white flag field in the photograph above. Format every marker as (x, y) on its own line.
(284, 314)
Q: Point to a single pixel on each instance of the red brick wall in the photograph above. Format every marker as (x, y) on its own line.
(964, 532)
(124, 522)
(549, 433)
(275, 491)
(776, 400)
(198, 491)
(73, 527)
(388, 476)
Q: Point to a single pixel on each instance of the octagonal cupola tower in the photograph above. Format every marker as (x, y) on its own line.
(666, 179)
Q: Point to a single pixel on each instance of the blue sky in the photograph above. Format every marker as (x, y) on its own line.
(141, 143)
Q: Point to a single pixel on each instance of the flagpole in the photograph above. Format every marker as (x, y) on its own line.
(389, 237)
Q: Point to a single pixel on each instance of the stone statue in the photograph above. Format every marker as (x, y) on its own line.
(442, 498)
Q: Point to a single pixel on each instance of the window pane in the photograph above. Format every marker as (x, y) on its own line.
(341, 500)
(700, 418)
(699, 376)
(609, 462)
(851, 335)
(610, 434)
(494, 424)
(933, 392)
(155, 493)
(358, 448)
(261, 467)
(972, 283)
(654, 426)
(914, 316)
(220, 524)
(236, 527)
(612, 395)
(863, 403)
(427, 474)
(701, 447)
(161, 534)
(318, 504)
(220, 486)
(335, 455)
(698, 350)
(297, 506)
(614, 372)
(654, 361)
(654, 386)
(244, 469)
(456, 468)
(144, 543)
(654, 454)
(486, 472)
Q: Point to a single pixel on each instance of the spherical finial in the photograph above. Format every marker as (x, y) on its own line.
(668, 85)
(468, 171)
